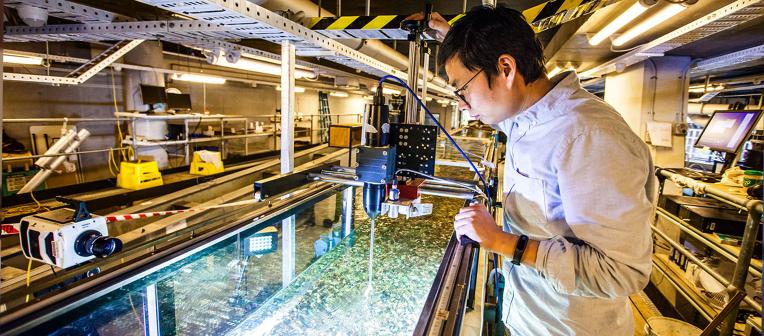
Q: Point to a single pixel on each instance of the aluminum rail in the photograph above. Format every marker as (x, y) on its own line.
(752, 224)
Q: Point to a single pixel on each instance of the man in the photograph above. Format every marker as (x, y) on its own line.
(579, 188)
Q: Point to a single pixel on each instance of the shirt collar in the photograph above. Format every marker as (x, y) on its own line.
(548, 107)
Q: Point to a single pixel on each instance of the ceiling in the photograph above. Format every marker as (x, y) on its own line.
(565, 44)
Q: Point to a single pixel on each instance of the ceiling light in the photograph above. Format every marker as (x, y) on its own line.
(428, 99)
(368, 97)
(198, 78)
(558, 69)
(664, 14)
(269, 68)
(338, 94)
(16, 59)
(623, 19)
(386, 91)
(710, 88)
(443, 101)
(297, 89)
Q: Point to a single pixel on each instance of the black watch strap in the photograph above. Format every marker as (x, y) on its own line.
(522, 242)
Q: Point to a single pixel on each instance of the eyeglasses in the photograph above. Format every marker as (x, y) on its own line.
(458, 92)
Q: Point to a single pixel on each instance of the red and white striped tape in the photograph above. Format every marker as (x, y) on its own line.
(120, 218)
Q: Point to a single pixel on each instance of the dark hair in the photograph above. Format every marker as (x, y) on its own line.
(485, 33)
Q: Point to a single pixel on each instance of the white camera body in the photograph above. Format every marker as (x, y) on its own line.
(53, 238)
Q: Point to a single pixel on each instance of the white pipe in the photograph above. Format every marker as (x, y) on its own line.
(41, 176)
(56, 148)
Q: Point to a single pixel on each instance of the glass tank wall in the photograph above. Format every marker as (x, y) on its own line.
(225, 289)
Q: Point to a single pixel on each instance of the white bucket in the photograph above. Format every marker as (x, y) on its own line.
(665, 326)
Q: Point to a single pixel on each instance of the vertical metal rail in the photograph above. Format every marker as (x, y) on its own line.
(741, 268)
(348, 204)
(288, 237)
(425, 71)
(411, 104)
(287, 106)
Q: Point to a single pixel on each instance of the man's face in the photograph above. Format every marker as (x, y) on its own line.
(489, 105)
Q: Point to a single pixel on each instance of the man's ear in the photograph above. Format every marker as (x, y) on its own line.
(507, 67)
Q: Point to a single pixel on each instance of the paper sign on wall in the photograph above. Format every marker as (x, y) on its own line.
(660, 133)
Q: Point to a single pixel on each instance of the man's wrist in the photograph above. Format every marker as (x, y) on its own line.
(506, 243)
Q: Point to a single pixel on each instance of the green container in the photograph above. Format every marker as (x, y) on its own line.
(752, 178)
(14, 181)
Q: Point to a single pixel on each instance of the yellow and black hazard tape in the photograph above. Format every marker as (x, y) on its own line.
(388, 27)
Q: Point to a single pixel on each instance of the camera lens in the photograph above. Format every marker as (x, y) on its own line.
(83, 245)
(93, 243)
(106, 246)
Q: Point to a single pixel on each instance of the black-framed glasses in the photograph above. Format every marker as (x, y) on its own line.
(459, 91)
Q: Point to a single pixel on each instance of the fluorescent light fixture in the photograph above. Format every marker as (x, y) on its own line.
(664, 14)
(338, 94)
(622, 20)
(368, 97)
(428, 99)
(443, 101)
(17, 59)
(386, 90)
(297, 89)
(711, 88)
(558, 69)
(198, 78)
(269, 68)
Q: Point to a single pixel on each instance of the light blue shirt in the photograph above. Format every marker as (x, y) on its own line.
(580, 181)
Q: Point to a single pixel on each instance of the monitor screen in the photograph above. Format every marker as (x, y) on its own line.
(727, 130)
(179, 101)
(153, 94)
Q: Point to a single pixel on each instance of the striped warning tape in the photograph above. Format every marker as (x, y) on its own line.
(387, 27)
(120, 218)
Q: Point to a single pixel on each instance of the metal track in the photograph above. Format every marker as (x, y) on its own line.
(68, 10)
(255, 22)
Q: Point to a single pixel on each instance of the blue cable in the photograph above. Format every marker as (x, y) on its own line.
(413, 94)
(485, 186)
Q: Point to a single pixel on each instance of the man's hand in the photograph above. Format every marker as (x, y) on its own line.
(437, 23)
(477, 223)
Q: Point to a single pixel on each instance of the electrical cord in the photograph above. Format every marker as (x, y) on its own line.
(435, 120)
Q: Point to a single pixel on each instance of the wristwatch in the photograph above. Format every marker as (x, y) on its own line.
(522, 242)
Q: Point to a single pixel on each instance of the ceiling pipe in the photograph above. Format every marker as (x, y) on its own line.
(373, 48)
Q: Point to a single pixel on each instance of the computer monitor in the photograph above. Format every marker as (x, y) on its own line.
(153, 95)
(727, 130)
(179, 101)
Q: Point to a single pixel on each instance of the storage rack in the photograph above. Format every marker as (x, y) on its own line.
(741, 256)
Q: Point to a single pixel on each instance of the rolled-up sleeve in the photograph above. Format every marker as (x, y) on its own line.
(604, 184)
